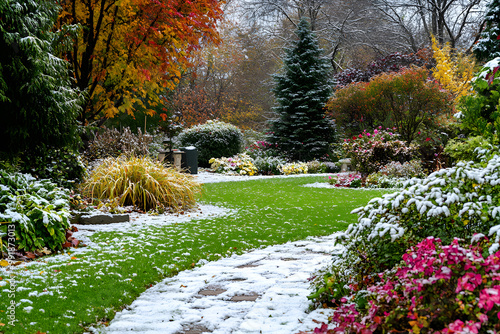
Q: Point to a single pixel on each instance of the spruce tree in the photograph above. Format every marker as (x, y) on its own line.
(488, 46)
(301, 131)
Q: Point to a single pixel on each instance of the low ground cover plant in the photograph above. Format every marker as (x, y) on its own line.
(293, 168)
(239, 164)
(141, 182)
(395, 174)
(39, 209)
(214, 139)
(345, 180)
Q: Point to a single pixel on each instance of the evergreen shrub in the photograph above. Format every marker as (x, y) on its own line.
(39, 209)
(479, 113)
(214, 139)
(62, 166)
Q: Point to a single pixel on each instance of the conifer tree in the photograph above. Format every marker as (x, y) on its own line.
(38, 105)
(488, 46)
(301, 130)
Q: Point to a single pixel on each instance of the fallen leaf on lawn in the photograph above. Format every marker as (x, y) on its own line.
(46, 251)
(75, 242)
(66, 244)
(2, 324)
(4, 263)
(30, 255)
(183, 286)
(74, 258)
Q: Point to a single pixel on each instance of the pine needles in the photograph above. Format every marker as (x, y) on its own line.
(141, 182)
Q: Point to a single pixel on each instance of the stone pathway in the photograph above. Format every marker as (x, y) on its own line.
(263, 291)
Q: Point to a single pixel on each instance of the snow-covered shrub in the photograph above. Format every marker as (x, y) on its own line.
(293, 168)
(113, 143)
(394, 174)
(437, 289)
(214, 139)
(379, 180)
(268, 165)
(370, 151)
(449, 203)
(62, 166)
(38, 209)
(239, 164)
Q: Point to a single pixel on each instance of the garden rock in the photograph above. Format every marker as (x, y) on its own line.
(100, 219)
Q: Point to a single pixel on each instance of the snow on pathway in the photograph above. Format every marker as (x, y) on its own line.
(205, 299)
(262, 291)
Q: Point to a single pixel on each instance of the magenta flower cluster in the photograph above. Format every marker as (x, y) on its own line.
(438, 289)
(343, 180)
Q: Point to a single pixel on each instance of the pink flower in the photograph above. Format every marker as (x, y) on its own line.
(458, 325)
(375, 131)
(489, 297)
(380, 127)
(368, 134)
(427, 139)
(469, 282)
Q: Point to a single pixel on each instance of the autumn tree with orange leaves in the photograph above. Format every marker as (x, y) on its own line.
(130, 51)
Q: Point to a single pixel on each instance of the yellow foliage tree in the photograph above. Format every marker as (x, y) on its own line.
(454, 69)
(129, 51)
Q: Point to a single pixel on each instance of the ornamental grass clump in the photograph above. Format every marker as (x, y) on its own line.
(143, 183)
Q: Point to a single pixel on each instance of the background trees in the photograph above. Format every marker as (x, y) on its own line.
(301, 131)
(488, 46)
(129, 51)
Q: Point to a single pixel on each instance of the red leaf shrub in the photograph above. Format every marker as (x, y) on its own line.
(438, 289)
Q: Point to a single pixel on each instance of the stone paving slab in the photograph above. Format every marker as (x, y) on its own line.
(229, 297)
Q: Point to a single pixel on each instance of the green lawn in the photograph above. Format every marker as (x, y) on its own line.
(68, 294)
